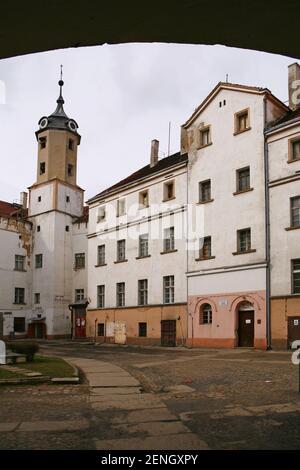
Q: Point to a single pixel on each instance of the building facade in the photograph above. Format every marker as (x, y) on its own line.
(200, 248)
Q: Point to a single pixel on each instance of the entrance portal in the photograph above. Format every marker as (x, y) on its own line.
(246, 325)
(168, 333)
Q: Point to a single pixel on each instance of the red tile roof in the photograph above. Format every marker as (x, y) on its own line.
(7, 209)
(85, 216)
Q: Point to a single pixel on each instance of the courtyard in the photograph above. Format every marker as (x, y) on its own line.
(157, 398)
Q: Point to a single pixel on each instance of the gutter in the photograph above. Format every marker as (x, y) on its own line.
(267, 235)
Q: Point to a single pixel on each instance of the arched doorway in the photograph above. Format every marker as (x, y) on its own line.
(245, 320)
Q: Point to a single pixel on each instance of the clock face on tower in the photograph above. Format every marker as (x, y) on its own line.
(43, 123)
(72, 125)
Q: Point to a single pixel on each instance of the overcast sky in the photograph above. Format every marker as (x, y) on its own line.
(122, 97)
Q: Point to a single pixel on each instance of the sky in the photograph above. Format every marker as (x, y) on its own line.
(122, 97)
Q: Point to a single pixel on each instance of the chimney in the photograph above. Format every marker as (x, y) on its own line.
(294, 86)
(23, 200)
(154, 152)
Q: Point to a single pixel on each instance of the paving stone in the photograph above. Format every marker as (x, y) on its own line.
(7, 427)
(107, 374)
(101, 380)
(187, 441)
(37, 426)
(154, 428)
(179, 389)
(126, 402)
(106, 391)
(145, 416)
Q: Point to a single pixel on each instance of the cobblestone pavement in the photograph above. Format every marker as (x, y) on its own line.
(215, 399)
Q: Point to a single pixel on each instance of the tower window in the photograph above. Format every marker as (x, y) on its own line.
(38, 228)
(70, 170)
(67, 228)
(42, 168)
(43, 142)
(39, 198)
(67, 198)
(71, 144)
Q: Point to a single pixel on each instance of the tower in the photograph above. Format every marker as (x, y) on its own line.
(55, 201)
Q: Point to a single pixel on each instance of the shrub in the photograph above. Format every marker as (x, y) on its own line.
(27, 348)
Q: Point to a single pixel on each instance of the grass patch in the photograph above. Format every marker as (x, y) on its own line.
(50, 366)
(6, 374)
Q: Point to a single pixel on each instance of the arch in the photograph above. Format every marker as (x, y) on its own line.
(244, 298)
(123, 22)
(205, 300)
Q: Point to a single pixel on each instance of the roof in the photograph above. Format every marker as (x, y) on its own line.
(85, 216)
(221, 85)
(147, 170)
(8, 209)
(290, 116)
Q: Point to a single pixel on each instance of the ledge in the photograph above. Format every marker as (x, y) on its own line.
(20, 270)
(242, 192)
(243, 252)
(142, 257)
(166, 252)
(204, 146)
(297, 227)
(294, 160)
(99, 265)
(205, 202)
(241, 132)
(204, 259)
(169, 199)
(121, 261)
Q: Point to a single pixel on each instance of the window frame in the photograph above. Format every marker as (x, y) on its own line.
(239, 232)
(121, 251)
(102, 247)
(237, 116)
(79, 294)
(142, 292)
(141, 197)
(22, 330)
(291, 143)
(169, 289)
(79, 260)
(119, 201)
(205, 317)
(201, 186)
(167, 185)
(143, 242)
(169, 241)
(17, 292)
(292, 224)
(17, 260)
(202, 256)
(142, 329)
(239, 171)
(38, 261)
(101, 296)
(120, 294)
(207, 131)
(101, 329)
(37, 296)
(293, 272)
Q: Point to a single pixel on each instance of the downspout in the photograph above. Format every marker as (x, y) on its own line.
(267, 232)
(187, 255)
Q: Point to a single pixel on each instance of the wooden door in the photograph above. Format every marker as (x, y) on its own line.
(168, 333)
(80, 322)
(246, 329)
(293, 329)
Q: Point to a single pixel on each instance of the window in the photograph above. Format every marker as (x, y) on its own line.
(120, 294)
(19, 263)
(205, 136)
(101, 255)
(67, 228)
(294, 149)
(121, 250)
(79, 294)
(205, 248)
(295, 211)
(168, 286)
(101, 297)
(169, 190)
(296, 276)
(144, 199)
(242, 121)
(71, 144)
(101, 214)
(39, 198)
(142, 329)
(169, 240)
(206, 315)
(243, 179)
(39, 261)
(19, 324)
(121, 210)
(67, 198)
(38, 228)
(244, 240)
(19, 295)
(143, 245)
(143, 292)
(37, 298)
(79, 260)
(70, 169)
(101, 329)
(205, 191)
(42, 168)
(43, 142)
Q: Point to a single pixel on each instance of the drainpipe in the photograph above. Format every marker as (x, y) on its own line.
(267, 233)
(187, 255)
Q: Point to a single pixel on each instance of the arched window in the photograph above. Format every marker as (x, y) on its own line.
(206, 314)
